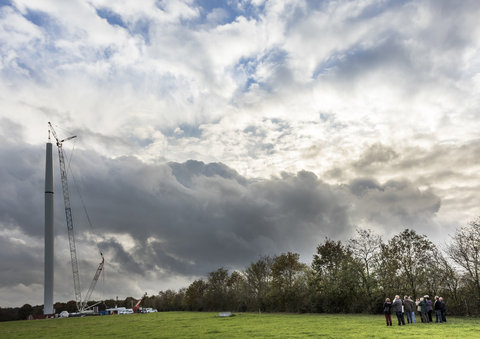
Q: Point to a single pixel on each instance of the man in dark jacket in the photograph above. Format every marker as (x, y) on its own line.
(408, 307)
(429, 308)
(437, 306)
(423, 310)
(443, 308)
(397, 308)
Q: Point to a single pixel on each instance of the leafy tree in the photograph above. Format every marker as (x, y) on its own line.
(71, 306)
(194, 295)
(129, 302)
(25, 311)
(166, 301)
(335, 278)
(289, 283)
(257, 280)
(388, 272)
(216, 292)
(9, 313)
(59, 307)
(169, 300)
(410, 255)
(236, 292)
(179, 300)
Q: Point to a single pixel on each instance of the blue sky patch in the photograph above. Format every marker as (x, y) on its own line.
(5, 3)
(38, 18)
(187, 131)
(48, 23)
(249, 65)
(327, 66)
(111, 17)
(140, 27)
(222, 12)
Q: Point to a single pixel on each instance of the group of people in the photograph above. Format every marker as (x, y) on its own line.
(406, 308)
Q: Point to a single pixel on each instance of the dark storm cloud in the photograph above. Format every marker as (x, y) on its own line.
(22, 176)
(189, 218)
(186, 219)
(188, 171)
(116, 250)
(394, 204)
(21, 263)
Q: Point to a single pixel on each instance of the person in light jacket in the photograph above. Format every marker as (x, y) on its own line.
(419, 309)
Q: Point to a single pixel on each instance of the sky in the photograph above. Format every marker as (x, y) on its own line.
(211, 133)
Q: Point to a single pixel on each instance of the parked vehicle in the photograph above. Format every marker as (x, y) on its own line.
(148, 310)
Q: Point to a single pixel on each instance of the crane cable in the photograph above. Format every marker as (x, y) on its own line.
(95, 237)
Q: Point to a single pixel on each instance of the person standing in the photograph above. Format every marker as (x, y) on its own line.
(429, 308)
(387, 310)
(438, 311)
(423, 310)
(412, 303)
(419, 309)
(397, 307)
(443, 308)
(408, 307)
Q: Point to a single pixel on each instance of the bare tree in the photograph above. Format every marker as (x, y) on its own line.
(366, 248)
(465, 252)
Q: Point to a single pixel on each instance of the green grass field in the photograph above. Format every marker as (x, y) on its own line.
(243, 325)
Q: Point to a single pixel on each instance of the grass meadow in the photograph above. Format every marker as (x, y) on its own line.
(242, 325)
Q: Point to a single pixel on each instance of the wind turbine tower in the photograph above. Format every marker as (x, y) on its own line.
(48, 286)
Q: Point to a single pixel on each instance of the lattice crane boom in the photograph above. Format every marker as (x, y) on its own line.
(68, 215)
(81, 304)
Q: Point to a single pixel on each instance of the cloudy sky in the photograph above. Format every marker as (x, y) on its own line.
(211, 133)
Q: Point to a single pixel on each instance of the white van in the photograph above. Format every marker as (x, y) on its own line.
(148, 310)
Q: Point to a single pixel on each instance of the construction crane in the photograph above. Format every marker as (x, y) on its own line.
(137, 305)
(81, 304)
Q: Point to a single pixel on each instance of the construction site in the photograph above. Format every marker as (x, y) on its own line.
(83, 307)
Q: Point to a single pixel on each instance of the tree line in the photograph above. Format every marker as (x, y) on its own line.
(345, 277)
(354, 276)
